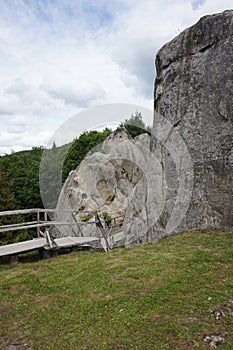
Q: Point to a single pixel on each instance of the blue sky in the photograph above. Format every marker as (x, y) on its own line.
(59, 57)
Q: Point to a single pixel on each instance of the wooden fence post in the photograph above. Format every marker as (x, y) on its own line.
(38, 221)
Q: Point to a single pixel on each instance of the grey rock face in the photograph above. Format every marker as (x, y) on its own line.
(104, 182)
(193, 127)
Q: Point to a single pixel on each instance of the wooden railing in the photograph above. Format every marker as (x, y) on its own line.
(38, 223)
(43, 220)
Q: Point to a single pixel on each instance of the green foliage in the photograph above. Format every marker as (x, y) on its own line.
(135, 125)
(107, 219)
(8, 202)
(86, 217)
(80, 147)
(156, 296)
(7, 198)
(23, 170)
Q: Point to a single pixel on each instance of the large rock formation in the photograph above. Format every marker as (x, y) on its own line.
(104, 182)
(185, 180)
(193, 127)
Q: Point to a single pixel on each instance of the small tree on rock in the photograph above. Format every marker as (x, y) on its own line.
(135, 125)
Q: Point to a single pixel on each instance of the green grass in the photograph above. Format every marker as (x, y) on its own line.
(156, 296)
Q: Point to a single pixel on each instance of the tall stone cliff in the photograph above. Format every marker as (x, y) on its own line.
(193, 127)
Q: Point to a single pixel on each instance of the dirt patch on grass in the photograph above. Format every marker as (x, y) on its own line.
(195, 246)
(161, 317)
(116, 347)
(138, 292)
(8, 344)
(157, 280)
(185, 344)
(114, 263)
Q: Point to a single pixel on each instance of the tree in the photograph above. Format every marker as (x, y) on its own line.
(22, 169)
(7, 198)
(8, 202)
(135, 125)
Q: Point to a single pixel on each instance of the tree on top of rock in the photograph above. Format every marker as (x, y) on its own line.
(135, 125)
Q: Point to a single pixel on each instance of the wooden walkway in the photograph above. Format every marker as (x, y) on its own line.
(69, 242)
(14, 249)
(106, 240)
(21, 247)
(38, 243)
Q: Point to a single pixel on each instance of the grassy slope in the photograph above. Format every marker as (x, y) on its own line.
(150, 297)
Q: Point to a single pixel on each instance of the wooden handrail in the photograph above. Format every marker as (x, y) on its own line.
(46, 223)
(36, 210)
(26, 225)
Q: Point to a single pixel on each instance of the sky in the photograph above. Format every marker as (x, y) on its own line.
(59, 58)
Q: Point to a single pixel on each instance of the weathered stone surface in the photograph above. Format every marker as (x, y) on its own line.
(193, 103)
(104, 181)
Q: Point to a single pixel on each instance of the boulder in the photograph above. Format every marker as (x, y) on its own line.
(104, 182)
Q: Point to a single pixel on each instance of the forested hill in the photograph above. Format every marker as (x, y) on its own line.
(20, 171)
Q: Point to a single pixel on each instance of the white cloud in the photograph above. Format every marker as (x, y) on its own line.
(18, 141)
(62, 56)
